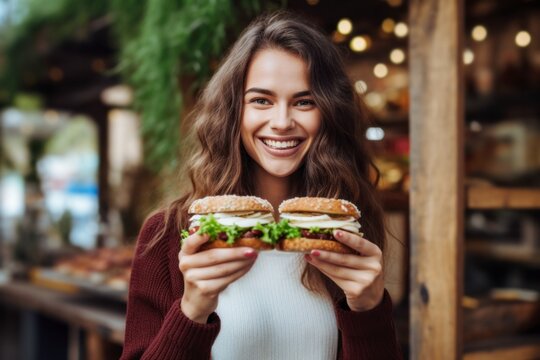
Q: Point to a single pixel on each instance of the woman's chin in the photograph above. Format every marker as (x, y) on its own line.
(280, 171)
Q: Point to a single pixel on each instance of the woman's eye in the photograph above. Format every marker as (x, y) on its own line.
(305, 103)
(260, 101)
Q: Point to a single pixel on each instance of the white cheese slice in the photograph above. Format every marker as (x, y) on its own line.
(323, 221)
(248, 220)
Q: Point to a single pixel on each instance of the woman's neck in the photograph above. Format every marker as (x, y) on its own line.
(272, 188)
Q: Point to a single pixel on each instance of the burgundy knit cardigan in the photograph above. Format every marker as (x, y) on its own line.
(156, 328)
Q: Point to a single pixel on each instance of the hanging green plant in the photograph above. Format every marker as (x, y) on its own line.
(32, 28)
(160, 42)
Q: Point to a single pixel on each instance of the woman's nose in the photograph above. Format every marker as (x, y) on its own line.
(282, 119)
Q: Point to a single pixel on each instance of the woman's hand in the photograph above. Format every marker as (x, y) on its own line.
(359, 276)
(207, 273)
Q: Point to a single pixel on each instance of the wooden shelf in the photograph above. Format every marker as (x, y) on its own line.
(504, 252)
(519, 347)
(491, 197)
(478, 197)
(493, 319)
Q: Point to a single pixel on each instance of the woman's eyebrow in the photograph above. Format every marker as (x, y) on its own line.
(261, 91)
(271, 93)
(302, 93)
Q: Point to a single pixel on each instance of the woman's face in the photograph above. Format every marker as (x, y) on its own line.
(280, 118)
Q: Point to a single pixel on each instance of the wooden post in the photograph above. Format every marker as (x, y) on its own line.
(436, 130)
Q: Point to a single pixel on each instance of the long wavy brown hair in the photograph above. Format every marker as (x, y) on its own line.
(339, 163)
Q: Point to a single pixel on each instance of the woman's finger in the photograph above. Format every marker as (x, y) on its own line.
(191, 244)
(215, 256)
(343, 284)
(352, 261)
(217, 271)
(215, 286)
(345, 273)
(332, 270)
(358, 243)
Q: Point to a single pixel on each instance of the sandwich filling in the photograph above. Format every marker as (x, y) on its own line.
(233, 225)
(321, 226)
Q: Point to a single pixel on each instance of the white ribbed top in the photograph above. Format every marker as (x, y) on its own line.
(269, 314)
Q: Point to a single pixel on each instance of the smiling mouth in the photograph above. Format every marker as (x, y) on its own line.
(281, 145)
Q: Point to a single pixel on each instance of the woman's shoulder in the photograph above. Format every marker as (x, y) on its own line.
(158, 228)
(151, 226)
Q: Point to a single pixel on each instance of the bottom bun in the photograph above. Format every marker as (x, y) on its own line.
(254, 243)
(306, 245)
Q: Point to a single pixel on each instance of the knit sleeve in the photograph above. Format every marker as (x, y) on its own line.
(368, 335)
(156, 328)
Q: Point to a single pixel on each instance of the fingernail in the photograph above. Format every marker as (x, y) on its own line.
(339, 233)
(250, 254)
(307, 257)
(315, 253)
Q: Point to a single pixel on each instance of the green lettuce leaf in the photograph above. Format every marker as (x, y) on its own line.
(271, 232)
(210, 226)
(318, 230)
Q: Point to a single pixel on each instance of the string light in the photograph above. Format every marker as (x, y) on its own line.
(475, 126)
(375, 133)
(523, 39)
(375, 100)
(344, 26)
(360, 86)
(359, 43)
(388, 25)
(479, 33)
(397, 56)
(401, 29)
(468, 56)
(380, 70)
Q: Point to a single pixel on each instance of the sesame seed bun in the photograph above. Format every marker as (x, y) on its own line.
(229, 203)
(306, 245)
(320, 205)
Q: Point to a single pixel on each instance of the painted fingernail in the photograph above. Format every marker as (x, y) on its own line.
(307, 257)
(250, 254)
(315, 253)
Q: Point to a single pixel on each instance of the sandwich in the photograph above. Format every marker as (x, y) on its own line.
(311, 221)
(233, 221)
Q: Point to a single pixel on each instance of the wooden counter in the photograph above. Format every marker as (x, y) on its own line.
(101, 322)
(102, 317)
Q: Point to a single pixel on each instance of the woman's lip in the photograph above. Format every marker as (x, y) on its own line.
(283, 138)
(279, 152)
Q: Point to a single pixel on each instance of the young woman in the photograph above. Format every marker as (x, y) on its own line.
(278, 119)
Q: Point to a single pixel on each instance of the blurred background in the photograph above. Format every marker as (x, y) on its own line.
(93, 97)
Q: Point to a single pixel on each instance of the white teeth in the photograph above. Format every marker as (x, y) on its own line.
(281, 144)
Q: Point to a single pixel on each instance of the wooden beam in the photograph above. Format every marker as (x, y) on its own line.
(491, 197)
(436, 130)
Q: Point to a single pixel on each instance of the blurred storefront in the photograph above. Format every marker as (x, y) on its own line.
(83, 160)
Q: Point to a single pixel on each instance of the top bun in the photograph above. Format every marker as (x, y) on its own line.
(320, 205)
(229, 203)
